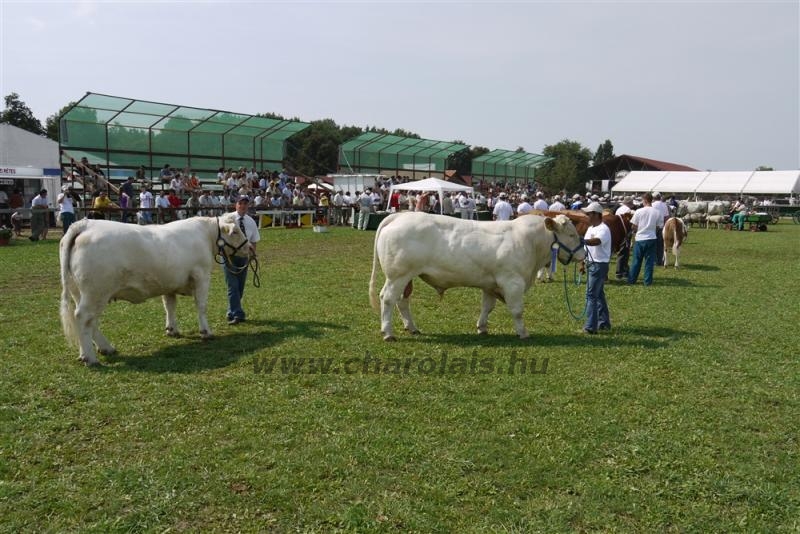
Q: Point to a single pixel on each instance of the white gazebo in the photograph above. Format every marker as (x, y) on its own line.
(429, 184)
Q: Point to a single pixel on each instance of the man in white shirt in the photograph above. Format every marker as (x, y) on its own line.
(146, 203)
(347, 207)
(39, 216)
(502, 209)
(645, 223)
(524, 207)
(663, 209)
(557, 205)
(66, 202)
(541, 203)
(338, 206)
(365, 208)
(598, 252)
(236, 270)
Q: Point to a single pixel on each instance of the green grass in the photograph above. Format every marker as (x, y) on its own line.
(685, 418)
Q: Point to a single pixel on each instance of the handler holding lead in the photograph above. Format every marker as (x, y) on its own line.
(236, 270)
(598, 245)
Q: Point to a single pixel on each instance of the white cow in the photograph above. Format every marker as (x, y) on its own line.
(500, 257)
(103, 261)
(686, 207)
(718, 207)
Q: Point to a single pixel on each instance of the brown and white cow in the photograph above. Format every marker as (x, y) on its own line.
(499, 257)
(674, 233)
(103, 261)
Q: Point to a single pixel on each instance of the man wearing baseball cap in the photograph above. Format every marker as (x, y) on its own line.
(598, 248)
(236, 270)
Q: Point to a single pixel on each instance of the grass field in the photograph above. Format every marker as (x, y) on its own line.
(684, 418)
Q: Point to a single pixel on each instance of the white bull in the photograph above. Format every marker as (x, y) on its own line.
(500, 258)
(686, 207)
(103, 261)
(718, 207)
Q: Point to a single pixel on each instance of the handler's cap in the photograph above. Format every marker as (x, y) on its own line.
(243, 198)
(501, 195)
(594, 207)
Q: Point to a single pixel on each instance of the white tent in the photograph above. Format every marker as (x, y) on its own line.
(429, 184)
(705, 182)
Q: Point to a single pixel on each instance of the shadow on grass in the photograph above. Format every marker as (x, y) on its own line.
(655, 337)
(225, 349)
(699, 267)
(676, 282)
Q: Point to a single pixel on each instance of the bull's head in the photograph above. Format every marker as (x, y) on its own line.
(566, 238)
(231, 238)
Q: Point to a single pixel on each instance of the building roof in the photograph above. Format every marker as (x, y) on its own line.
(21, 148)
(608, 170)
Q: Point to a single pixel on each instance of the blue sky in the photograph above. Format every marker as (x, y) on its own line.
(714, 85)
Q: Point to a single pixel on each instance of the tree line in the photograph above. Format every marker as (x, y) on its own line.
(315, 150)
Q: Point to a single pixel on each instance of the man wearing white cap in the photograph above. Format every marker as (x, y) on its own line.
(524, 207)
(502, 209)
(557, 205)
(598, 248)
(541, 203)
(663, 209)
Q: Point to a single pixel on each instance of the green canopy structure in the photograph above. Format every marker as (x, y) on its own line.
(507, 165)
(121, 134)
(376, 153)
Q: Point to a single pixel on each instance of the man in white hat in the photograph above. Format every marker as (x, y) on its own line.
(577, 202)
(557, 205)
(502, 209)
(663, 209)
(541, 203)
(524, 206)
(598, 254)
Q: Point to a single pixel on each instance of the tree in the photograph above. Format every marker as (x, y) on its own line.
(568, 169)
(18, 114)
(764, 168)
(52, 125)
(604, 152)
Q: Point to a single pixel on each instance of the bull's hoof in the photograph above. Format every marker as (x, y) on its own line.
(89, 362)
(107, 352)
(389, 338)
(414, 332)
(524, 335)
(483, 332)
(206, 336)
(172, 332)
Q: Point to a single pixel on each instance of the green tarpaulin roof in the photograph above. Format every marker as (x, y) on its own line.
(507, 164)
(122, 132)
(374, 152)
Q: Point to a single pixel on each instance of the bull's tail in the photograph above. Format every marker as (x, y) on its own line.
(67, 302)
(373, 294)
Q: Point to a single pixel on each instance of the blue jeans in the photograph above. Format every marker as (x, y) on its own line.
(235, 280)
(596, 305)
(643, 250)
(66, 220)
